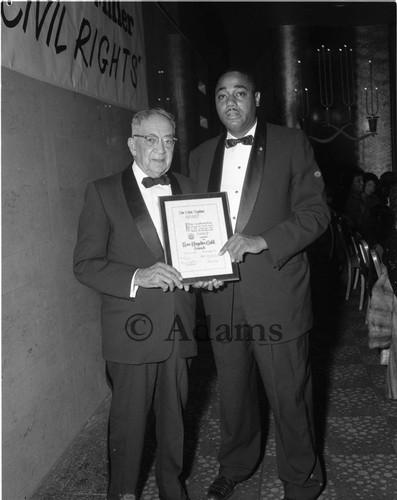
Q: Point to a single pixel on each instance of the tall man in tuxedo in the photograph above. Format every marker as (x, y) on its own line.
(119, 253)
(277, 208)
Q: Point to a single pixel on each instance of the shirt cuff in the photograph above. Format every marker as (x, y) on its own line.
(134, 288)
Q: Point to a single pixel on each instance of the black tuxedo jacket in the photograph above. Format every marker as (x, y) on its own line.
(116, 236)
(282, 201)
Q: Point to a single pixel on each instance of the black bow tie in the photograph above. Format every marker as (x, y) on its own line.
(149, 182)
(248, 140)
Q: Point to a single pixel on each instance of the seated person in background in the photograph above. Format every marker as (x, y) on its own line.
(354, 205)
(386, 180)
(377, 223)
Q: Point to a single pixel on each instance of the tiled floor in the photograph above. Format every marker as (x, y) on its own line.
(356, 424)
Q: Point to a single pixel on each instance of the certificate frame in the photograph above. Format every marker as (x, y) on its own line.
(195, 228)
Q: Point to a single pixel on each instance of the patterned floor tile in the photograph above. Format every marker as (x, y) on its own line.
(388, 406)
(346, 355)
(366, 434)
(377, 375)
(270, 486)
(353, 402)
(349, 376)
(370, 356)
(365, 477)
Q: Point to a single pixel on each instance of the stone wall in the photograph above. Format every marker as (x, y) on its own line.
(54, 142)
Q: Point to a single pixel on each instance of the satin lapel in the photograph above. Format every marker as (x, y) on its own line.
(214, 182)
(141, 214)
(175, 186)
(253, 178)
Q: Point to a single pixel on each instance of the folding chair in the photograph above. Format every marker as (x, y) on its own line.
(376, 262)
(351, 262)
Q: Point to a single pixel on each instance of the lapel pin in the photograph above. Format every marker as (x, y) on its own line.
(260, 148)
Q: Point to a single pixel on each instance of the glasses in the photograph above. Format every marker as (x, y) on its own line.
(152, 141)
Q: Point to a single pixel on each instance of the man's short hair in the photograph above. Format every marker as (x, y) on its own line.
(247, 72)
(349, 174)
(145, 114)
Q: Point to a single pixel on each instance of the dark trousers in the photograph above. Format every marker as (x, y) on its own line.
(286, 375)
(134, 389)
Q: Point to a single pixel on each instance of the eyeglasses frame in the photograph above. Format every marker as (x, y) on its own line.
(158, 139)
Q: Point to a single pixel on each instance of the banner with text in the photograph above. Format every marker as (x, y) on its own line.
(95, 48)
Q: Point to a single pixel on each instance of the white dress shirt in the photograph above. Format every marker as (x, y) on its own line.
(234, 168)
(151, 198)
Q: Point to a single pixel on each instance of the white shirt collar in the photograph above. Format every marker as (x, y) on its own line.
(138, 172)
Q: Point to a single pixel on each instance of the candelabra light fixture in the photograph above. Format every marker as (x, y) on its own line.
(372, 103)
(326, 95)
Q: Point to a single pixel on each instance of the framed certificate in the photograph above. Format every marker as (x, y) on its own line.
(195, 228)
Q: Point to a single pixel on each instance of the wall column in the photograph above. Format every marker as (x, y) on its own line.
(181, 82)
(287, 50)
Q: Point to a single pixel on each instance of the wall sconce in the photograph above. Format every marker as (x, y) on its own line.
(372, 103)
(326, 94)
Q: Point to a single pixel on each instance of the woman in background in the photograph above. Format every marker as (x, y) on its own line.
(370, 184)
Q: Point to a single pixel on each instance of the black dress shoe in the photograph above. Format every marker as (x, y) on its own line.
(221, 489)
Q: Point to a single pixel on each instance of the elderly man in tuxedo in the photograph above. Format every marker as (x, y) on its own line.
(119, 253)
(277, 208)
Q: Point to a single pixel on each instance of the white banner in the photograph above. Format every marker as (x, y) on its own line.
(95, 48)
